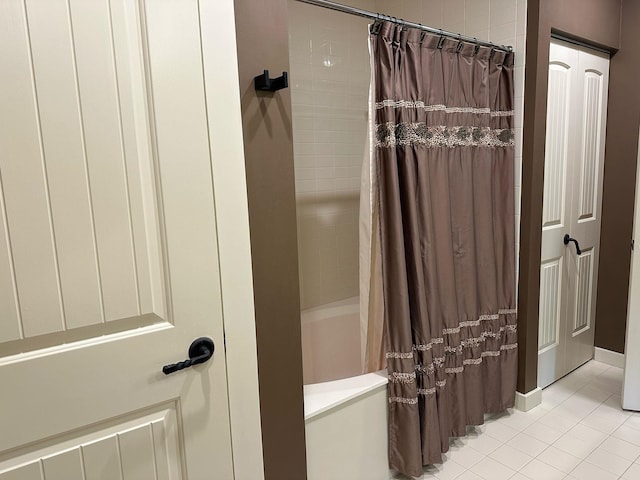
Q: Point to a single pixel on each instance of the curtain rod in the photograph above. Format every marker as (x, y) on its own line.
(378, 16)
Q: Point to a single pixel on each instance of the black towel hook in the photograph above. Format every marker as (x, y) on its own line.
(266, 84)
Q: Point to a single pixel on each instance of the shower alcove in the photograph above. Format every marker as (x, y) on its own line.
(345, 411)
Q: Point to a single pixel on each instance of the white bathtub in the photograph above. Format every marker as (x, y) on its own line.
(331, 341)
(345, 418)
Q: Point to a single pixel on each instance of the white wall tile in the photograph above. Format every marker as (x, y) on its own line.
(503, 34)
(329, 66)
(389, 7)
(412, 10)
(453, 15)
(432, 12)
(521, 17)
(478, 8)
(502, 11)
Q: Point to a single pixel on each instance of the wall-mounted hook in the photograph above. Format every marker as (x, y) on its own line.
(264, 83)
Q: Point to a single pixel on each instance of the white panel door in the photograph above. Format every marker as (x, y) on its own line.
(574, 162)
(108, 245)
(631, 385)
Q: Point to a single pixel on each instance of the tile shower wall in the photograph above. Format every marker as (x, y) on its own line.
(329, 60)
(329, 86)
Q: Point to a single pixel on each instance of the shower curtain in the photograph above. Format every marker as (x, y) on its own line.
(443, 192)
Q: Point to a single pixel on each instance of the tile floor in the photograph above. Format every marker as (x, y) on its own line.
(579, 432)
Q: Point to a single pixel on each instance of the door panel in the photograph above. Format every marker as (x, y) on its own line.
(574, 161)
(109, 253)
(552, 285)
(583, 284)
(556, 145)
(588, 168)
(588, 197)
(104, 246)
(137, 448)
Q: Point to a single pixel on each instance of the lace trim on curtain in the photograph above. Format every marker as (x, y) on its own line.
(450, 370)
(419, 104)
(399, 377)
(392, 134)
(409, 401)
(474, 341)
(439, 361)
(432, 390)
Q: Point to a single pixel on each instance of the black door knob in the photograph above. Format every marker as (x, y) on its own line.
(200, 351)
(568, 239)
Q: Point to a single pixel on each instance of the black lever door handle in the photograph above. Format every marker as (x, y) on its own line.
(200, 351)
(568, 239)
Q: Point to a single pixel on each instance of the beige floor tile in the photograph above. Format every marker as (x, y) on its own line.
(559, 459)
(627, 434)
(489, 469)
(512, 458)
(575, 446)
(622, 448)
(469, 475)
(633, 473)
(537, 470)
(588, 471)
(608, 461)
(542, 432)
(527, 444)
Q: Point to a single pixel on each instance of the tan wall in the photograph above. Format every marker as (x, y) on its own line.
(329, 121)
(619, 185)
(262, 42)
(596, 22)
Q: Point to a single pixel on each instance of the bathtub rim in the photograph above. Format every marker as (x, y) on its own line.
(331, 395)
(346, 306)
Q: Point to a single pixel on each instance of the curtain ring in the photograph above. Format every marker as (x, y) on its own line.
(460, 44)
(376, 26)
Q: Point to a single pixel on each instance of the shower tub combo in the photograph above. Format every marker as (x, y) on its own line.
(346, 419)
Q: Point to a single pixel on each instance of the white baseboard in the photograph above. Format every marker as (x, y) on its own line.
(527, 401)
(609, 357)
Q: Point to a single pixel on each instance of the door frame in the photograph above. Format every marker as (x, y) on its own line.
(596, 24)
(217, 27)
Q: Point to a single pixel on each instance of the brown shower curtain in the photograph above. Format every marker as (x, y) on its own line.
(444, 156)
